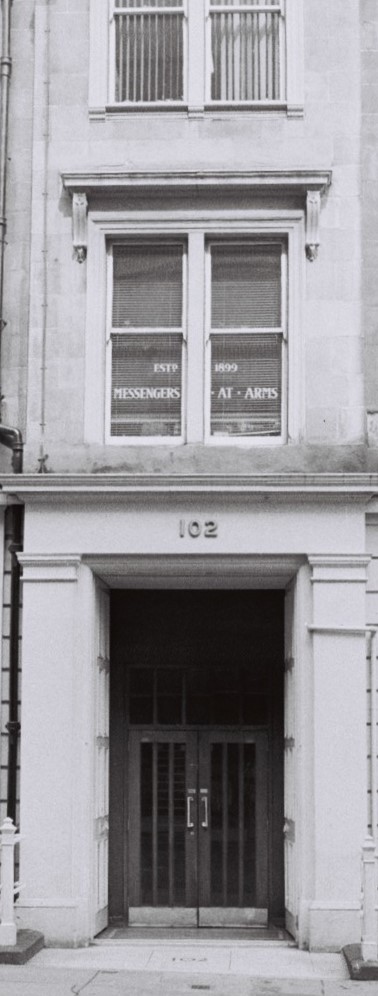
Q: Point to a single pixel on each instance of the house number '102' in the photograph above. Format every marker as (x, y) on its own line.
(195, 528)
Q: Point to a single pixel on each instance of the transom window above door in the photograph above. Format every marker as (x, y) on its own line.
(197, 340)
(193, 54)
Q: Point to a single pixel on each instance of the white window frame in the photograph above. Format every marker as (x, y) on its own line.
(199, 227)
(222, 440)
(196, 62)
(153, 439)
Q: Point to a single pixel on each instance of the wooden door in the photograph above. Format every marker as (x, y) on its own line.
(198, 828)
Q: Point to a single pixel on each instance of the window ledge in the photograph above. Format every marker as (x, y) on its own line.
(114, 179)
(308, 185)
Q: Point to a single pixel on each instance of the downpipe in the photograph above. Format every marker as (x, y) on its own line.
(9, 436)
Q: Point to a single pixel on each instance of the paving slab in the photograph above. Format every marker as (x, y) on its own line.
(182, 969)
(63, 982)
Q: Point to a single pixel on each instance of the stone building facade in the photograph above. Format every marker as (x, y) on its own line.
(189, 354)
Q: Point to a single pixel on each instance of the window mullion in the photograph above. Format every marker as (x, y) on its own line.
(196, 56)
(195, 324)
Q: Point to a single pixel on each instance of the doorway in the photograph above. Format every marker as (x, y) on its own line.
(196, 768)
(197, 828)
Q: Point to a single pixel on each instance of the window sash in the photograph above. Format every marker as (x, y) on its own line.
(246, 46)
(149, 54)
(236, 68)
(149, 420)
(245, 390)
(146, 366)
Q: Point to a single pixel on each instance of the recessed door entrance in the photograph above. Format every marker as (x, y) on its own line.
(198, 828)
(196, 758)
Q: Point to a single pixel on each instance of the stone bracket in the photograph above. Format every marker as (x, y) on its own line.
(79, 225)
(306, 185)
(313, 202)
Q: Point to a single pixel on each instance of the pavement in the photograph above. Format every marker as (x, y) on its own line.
(180, 968)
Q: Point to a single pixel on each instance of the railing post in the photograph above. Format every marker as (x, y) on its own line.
(8, 930)
(369, 944)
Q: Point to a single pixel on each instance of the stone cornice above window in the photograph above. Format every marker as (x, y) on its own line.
(306, 185)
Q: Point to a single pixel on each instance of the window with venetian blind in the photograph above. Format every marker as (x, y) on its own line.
(157, 46)
(239, 370)
(147, 340)
(247, 336)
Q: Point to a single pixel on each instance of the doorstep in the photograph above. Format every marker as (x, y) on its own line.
(203, 960)
(359, 970)
(28, 943)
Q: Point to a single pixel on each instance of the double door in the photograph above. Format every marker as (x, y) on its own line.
(198, 835)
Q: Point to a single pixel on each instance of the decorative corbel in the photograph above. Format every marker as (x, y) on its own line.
(79, 226)
(312, 224)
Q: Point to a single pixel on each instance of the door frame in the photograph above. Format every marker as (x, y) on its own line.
(225, 571)
(198, 910)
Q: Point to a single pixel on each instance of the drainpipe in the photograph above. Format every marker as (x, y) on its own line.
(8, 436)
(15, 519)
(5, 73)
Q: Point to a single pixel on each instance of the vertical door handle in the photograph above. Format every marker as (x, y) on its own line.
(189, 821)
(205, 804)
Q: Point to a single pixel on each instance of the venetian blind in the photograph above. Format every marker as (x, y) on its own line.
(147, 339)
(246, 362)
(147, 286)
(246, 286)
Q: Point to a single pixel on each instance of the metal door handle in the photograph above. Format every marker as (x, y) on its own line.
(205, 800)
(189, 821)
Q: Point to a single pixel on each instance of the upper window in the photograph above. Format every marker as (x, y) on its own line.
(149, 51)
(168, 366)
(147, 339)
(247, 51)
(194, 54)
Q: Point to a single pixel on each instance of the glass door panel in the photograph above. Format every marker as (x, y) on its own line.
(198, 828)
(163, 818)
(232, 828)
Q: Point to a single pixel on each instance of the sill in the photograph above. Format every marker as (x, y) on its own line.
(206, 110)
(246, 441)
(136, 441)
(169, 441)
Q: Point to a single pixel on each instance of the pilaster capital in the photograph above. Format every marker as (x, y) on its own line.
(47, 567)
(337, 569)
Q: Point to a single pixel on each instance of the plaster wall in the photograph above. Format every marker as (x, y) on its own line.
(52, 131)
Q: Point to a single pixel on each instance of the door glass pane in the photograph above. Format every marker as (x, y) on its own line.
(232, 825)
(169, 696)
(141, 695)
(163, 825)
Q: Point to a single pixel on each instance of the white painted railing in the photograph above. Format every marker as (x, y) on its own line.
(9, 888)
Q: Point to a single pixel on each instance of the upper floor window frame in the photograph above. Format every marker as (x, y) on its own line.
(193, 93)
(199, 232)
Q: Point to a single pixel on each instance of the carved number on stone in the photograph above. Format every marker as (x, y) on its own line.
(195, 528)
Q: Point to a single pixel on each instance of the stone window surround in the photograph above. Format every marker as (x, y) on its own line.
(100, 61)
(94, 228)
